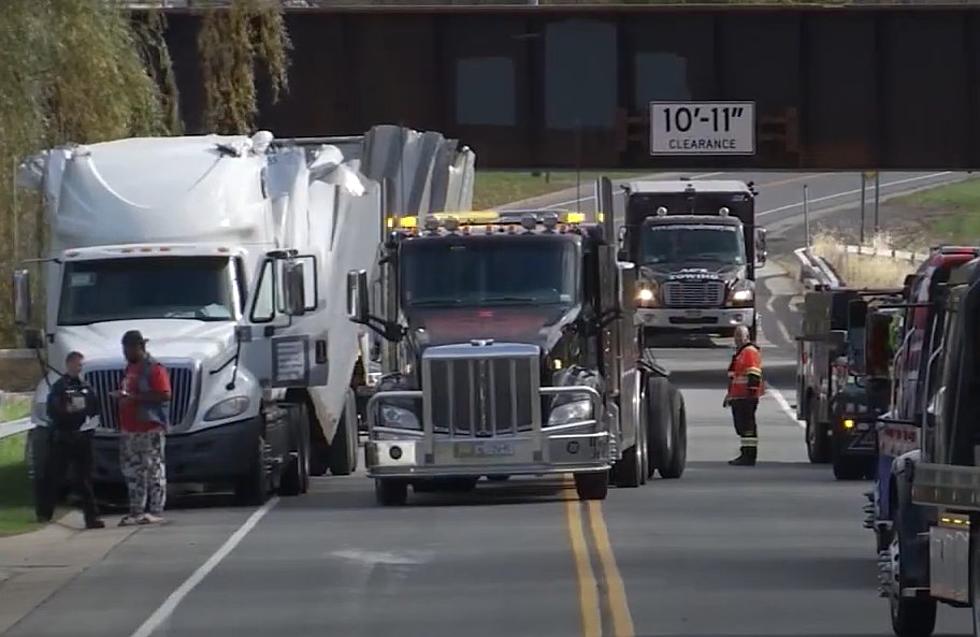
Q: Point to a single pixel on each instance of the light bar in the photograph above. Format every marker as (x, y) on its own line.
(452, 221)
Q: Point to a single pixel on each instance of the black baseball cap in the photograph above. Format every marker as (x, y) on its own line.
(133, 337)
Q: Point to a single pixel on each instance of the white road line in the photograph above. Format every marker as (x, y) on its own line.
(784, 405)
(845, 193)
(166, 609)
(590, 197)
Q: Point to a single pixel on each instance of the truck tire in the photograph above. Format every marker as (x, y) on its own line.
(252, 489)
(817, 445)
(296, 479)
(911, 617)
(592, 486)
(390, 492)
(660, 426)
(629, 471)
(343, 448)
(678, 460)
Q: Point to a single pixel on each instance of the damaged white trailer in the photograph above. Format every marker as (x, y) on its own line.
(230, 255)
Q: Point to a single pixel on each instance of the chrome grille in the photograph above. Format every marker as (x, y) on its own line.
(481, 397)
(694, 293)
(108, 380)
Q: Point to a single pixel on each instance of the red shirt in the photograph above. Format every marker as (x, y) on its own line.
(129, 413)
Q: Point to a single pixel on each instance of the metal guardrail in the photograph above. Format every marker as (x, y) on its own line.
(815, 272)
(14, 427)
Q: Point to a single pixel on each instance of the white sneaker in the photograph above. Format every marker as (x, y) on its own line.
(149, 518)
(130, 520)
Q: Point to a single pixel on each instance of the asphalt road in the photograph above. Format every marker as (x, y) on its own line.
(774, 550)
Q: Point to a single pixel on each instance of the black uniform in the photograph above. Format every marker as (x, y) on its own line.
(71, 402)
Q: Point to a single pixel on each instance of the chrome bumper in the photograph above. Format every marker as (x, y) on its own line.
(705, 319)
(407, 453)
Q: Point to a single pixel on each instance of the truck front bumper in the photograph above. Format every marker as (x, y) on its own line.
(457, 457)
(583, 446)
(710, 319)
(215, 454)
(860, 440)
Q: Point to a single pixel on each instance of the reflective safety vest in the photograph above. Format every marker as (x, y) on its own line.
(745, 373)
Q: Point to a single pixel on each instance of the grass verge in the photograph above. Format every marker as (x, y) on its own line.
(16, 498)
(496, 188)
(14, 407)
(950, 213)
(862, 271)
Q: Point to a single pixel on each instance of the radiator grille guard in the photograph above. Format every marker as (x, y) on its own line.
(182, 385)
(481, 391)
(694, 293)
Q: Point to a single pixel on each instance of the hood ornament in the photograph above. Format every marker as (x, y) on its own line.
(481, 342)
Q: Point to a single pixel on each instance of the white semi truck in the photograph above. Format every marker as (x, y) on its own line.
(230, 255)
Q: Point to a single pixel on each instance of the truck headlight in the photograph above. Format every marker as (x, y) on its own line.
(228, 408)
(647, 294)
(742, 296)
(399, 418)
(573, 411)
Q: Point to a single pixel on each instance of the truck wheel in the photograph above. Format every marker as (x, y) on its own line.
(975, 574)
(911, 616)
(846, 467)
(817, 445)
(642, 444)
(252, 489)
(660, 427)
(678, 423)
(296, 479)
(627, 471)
(592, 486)
(390, 492)
(342, 458)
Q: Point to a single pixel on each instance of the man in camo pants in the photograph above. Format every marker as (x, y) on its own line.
(144, 412)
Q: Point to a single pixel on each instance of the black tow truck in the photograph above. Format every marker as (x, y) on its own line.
(697, 247)
(513, 352)
(843, 380)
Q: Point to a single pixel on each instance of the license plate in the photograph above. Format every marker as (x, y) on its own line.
(692, 314)
(484, 449)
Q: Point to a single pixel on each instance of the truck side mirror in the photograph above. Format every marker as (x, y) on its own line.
(357, 296)
(33, 338)
(294, 288)
(22, 298)
(761, 254)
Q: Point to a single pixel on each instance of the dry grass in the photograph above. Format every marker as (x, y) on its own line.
(862, 271)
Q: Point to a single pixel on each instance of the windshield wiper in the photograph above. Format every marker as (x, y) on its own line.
(435, 302)
(509, 299)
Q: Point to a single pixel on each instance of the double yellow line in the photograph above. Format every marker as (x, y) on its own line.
(602, 600)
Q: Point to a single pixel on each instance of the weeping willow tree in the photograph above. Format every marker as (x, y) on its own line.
(232, 45)
(90, 70)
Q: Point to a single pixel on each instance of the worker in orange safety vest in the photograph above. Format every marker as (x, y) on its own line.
(744, 388)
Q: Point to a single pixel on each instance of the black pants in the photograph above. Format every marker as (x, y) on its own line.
(67, 449)
(743, 413)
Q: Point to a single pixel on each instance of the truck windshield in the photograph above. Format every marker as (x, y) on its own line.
(147, 288)
(683, 243)
(484, 271)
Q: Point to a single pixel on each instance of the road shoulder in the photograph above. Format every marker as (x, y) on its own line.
(34, 566)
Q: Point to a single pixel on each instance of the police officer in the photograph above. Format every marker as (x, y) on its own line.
(71, 406)
(744, 388)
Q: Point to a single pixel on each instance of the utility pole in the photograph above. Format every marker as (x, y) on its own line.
(806, 215)
(864, 184)
(877, 189)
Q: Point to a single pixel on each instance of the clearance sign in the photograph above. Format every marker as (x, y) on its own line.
(702, 128)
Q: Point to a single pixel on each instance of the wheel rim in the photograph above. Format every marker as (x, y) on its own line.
(892, 579)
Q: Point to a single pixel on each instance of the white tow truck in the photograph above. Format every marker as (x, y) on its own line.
(230, 255)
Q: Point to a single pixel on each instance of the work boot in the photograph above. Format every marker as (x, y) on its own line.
(746, 458)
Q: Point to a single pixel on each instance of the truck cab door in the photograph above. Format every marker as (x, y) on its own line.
(278, 340)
